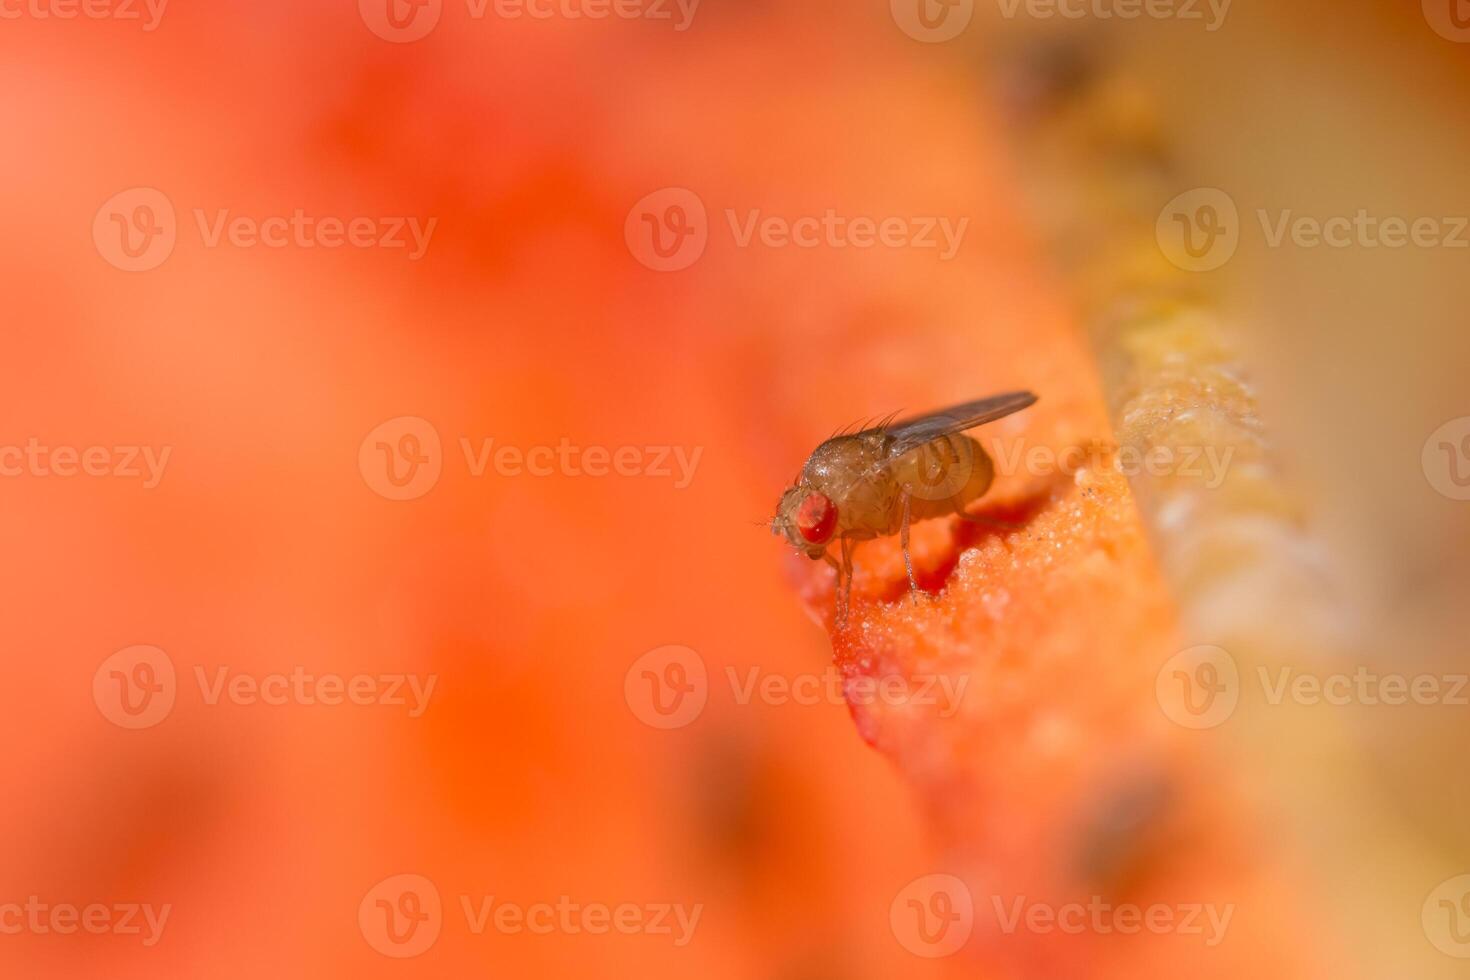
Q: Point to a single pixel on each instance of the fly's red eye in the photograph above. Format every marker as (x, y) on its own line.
(816, 518)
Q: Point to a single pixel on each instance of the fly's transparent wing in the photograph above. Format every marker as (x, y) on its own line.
(910, 434)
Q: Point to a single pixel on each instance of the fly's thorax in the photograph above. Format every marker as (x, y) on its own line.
(853, 472)
(950, 468)
(843, 460)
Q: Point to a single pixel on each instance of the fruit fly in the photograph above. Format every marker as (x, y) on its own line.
(876, 482)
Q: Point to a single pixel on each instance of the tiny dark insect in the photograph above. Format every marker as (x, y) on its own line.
(878, 481)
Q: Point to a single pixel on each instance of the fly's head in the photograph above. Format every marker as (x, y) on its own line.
(807, 518)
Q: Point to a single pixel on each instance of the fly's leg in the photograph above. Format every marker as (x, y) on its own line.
(845, 589)
(908, 560)
(982, 519)
(837, 591)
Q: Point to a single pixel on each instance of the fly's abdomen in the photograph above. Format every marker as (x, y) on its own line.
(943, 474)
